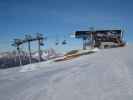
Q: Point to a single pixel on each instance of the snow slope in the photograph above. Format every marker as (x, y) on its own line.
(105, 75)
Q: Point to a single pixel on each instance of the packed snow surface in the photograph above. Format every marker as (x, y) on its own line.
(105, 75)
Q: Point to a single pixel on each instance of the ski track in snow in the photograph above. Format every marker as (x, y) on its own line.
(105, 75)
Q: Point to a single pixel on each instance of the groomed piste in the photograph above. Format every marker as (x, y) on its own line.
(104, 75)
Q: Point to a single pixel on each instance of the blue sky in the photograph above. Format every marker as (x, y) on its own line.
(62, 17)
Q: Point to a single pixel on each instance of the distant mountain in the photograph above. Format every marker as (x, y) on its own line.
(47, 54)
(11, 59)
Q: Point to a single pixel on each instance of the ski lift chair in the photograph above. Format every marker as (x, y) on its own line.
(56, 43)
(64, 42)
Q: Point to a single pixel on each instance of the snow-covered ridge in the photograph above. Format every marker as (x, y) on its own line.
(11, 59)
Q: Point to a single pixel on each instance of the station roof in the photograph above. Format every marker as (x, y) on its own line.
(86, 33)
